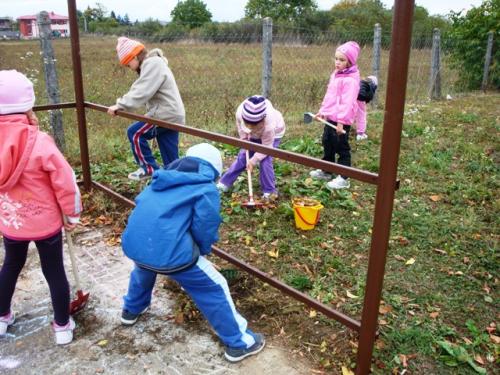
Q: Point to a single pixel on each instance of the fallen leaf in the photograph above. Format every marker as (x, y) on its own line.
(399, 257)
(248, 240)
(404, 360)
(479, 359)
(434, 314)
(273, 253)
(435, 198)
(382, 322)
(312, 314)
(384, 309)
(410, 261)
(439, 251)
(495, 339)
(346, 371)
(179, 318)
(467, 341)
(102, 343)
(350, 295)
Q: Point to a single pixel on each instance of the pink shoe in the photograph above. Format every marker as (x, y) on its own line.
(64, 334)
(5, 322)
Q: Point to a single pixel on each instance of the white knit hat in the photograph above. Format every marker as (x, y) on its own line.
(208, 153)
(16, 92)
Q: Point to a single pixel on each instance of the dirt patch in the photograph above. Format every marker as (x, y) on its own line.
(158, 344)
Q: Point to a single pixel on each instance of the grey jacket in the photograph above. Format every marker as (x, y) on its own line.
(156, 88)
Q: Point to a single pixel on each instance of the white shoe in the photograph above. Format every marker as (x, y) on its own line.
(64, 334)
(222, 188)
(361, 137)
(338, 183)
(270, 196)
(5, 322)
(320, 175)
(139, 175)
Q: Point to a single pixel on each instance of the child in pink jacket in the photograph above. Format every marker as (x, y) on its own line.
(259, 122)
(340, 107)
(36, 185)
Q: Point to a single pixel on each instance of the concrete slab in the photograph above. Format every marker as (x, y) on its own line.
(155, 345)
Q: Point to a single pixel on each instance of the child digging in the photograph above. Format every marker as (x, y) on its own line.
(170, 232)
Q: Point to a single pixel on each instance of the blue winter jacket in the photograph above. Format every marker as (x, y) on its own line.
(176, 218)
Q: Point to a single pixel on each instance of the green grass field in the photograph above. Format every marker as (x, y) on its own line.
(440, 301)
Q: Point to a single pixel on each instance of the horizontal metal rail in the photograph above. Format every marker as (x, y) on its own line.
(304, 298)
(358, 174)
(118, 197)
(48, 107)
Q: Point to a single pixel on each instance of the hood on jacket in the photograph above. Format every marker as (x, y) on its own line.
(188, 170)
(18, 138)
(157, 52)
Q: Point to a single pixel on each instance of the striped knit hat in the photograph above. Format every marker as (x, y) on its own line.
(254, 109)
(127, 49)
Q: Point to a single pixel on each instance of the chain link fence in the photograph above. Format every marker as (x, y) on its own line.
(302, 60)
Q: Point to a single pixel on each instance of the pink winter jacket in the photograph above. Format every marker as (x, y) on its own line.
(340, 101)
(272, 128)
(36, 182)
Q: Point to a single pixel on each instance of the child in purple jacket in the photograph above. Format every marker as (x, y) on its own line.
(259, 122)
(339, 107)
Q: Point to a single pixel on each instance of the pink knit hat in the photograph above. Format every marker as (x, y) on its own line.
(254, 109)
(350, 50)
(127, 49)
(16, 92)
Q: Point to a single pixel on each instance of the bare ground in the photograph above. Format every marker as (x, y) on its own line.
(157, 344)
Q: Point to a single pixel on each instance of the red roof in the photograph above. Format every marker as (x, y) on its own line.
(52, 16)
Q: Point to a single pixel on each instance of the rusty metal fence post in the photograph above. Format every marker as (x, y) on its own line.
(389, 153)
(79, 96)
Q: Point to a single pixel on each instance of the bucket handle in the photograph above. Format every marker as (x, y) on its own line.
(304, 220)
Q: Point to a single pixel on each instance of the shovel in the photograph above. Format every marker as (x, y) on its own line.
(309, 117)
(250, 203)
(81, 299)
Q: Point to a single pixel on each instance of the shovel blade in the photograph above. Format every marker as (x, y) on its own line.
(308, 117)
(78, 304)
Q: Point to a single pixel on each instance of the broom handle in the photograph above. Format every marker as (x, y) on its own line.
(250, 190)
(71, 250)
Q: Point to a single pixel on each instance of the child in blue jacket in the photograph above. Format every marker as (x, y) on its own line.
(170, 231)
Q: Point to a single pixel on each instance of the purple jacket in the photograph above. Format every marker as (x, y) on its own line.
(340, 101)
(271, 128)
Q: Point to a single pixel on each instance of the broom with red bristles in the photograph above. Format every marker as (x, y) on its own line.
(81, 299)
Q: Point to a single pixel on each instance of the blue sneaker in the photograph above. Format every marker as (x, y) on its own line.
(237, 354)
(129, 318)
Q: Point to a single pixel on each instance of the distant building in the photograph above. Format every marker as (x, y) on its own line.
(7, 29)
(5, 24)
(29, 28)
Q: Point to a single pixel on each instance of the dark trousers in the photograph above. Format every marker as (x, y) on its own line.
(335, 144)
(51, 258)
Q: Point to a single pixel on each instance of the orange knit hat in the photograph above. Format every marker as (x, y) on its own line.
(127, 49)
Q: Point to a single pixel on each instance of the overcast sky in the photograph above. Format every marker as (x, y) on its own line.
(222, 10)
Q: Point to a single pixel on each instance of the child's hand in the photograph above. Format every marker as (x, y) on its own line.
(112, 110)
(250, 167)
(69, 227)
(340, 129)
